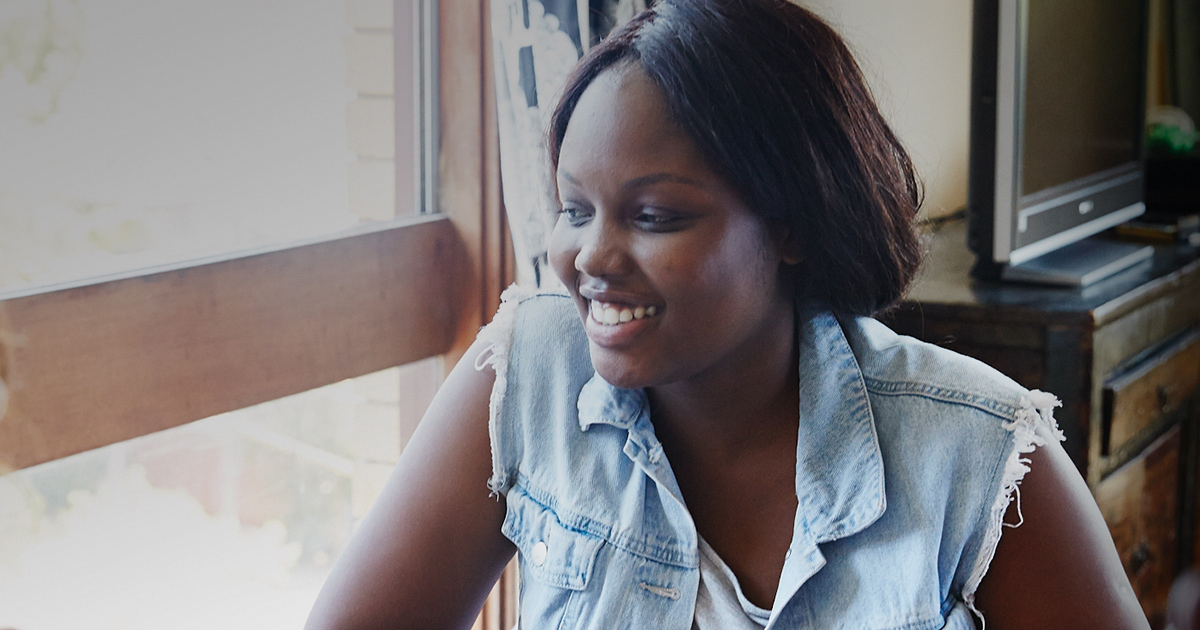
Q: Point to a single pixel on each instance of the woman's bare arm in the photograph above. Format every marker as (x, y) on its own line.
(1059, 568)
(431, 548)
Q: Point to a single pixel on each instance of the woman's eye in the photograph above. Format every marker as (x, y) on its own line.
(656, 219)
(575, 215)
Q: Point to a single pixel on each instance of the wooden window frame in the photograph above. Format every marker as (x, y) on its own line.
(94, 365)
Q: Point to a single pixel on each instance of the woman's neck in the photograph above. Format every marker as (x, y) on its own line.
(730, 437)
(749, 400)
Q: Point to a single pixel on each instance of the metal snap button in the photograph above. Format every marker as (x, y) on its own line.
(538, 554)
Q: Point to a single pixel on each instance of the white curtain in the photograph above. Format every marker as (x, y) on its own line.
(536, 45)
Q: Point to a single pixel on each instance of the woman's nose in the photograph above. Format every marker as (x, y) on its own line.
(603, 250)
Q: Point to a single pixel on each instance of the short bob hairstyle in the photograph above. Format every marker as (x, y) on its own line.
(776, 103)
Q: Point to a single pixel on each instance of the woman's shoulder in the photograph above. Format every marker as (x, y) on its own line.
(536, 346)
(532, 322)
(964, 436)
(901, 366)
(527, 307)
(928, 399)
(534, 342)
(957, 431)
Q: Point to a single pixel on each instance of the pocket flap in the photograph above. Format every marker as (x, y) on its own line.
(550, 551)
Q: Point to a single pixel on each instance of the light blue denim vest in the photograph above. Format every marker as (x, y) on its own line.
(907, 456)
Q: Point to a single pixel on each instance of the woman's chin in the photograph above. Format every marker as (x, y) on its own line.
(618, 371)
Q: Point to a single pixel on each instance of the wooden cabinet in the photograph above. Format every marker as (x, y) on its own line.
(1139, 503)
(1124, 357)
(1149, 391)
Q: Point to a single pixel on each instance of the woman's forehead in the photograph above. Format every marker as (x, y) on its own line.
(622, 121)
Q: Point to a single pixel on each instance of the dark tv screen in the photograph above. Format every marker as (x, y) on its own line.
(1081, 113)
(1057, 102)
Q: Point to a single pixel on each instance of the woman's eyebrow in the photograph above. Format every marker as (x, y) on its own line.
(645, 180)
(567, 176)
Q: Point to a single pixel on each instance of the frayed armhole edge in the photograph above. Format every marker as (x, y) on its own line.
(498, 336)
(1035, 411)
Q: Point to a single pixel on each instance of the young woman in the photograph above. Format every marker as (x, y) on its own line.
(707, 430)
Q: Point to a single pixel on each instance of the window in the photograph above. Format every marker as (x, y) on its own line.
(143, 133)
(228, 522)
(94, 363)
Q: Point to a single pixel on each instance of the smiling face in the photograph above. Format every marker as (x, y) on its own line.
(677, 281)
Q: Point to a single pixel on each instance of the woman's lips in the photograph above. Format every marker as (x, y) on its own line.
(614, 325)
(615, 314)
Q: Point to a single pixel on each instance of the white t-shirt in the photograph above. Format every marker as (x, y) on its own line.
(720, 603)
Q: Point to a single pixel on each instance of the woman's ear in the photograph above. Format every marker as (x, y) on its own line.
(785, 242)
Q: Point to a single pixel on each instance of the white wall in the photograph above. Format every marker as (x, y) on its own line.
(916, 54)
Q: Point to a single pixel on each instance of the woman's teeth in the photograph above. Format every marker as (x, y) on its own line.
(612, 314)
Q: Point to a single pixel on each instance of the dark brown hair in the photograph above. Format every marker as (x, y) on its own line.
(775, 101)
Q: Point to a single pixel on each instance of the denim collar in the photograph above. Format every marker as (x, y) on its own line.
(839, 467)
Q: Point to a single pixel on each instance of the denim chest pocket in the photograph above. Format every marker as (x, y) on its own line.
(550, 551)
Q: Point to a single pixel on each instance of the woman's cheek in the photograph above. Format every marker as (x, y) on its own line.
(561, 253)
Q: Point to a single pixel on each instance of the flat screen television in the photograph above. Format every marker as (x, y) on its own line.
(1057, 109)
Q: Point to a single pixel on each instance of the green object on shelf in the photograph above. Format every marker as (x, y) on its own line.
(1169, 130)
(1170, 139)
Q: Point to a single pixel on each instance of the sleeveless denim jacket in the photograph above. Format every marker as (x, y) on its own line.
(907, 458)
